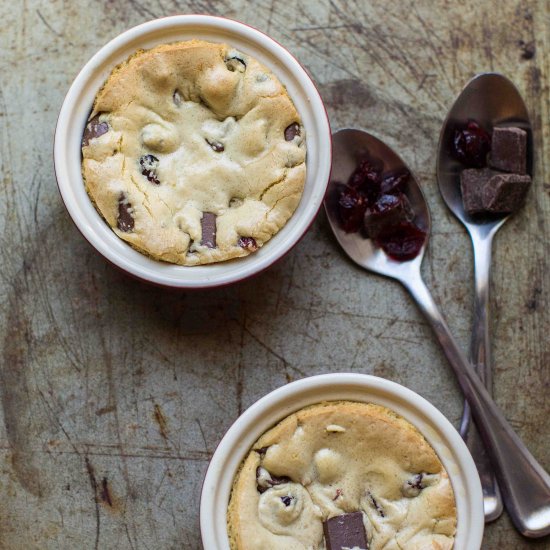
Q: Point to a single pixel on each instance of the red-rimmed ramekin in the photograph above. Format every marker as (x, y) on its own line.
(282, 402)
(77, 106)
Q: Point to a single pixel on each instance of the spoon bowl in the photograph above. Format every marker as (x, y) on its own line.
(350, 146)
(492, 100)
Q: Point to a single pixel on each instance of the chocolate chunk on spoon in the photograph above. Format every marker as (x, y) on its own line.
(509, 152)
(472, 182)
(208, 224)
(93, 130)
(345, 531)
(505, 193)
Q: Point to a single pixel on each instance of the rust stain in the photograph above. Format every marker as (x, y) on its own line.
(105, 410)
(93, 484)
(105, 494)
(161, 420)
(14, 391)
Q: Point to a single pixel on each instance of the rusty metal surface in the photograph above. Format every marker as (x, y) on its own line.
(114, 394)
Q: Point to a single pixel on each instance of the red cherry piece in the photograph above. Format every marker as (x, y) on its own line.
(402, 242)
(351, 208)
(471, 144)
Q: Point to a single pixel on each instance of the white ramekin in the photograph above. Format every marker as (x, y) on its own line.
(77, 106)
(278, 404)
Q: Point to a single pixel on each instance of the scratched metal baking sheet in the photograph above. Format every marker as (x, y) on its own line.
(114, 394)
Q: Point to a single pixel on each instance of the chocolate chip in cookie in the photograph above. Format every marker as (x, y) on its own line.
(292, 131)
(149, 165)
(345, 531)
(93, 130)
(125, 220)
(208, 224)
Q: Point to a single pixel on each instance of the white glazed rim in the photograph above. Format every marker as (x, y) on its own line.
(283, 401)
(76, 108)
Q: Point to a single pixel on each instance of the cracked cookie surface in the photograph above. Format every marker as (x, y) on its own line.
(335, 458)
(194, 153)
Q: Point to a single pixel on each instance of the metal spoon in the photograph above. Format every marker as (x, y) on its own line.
(525, 485)
(492, 100)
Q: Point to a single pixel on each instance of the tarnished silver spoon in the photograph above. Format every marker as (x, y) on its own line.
(524, 483)
(492, 100)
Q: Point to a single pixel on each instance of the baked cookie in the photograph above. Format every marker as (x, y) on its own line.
(194, 153)
(342, 460)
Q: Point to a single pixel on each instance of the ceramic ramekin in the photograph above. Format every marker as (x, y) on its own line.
(278, 404)
(77, 106)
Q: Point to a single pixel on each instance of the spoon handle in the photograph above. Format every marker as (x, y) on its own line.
(525, 484)
(480, 356)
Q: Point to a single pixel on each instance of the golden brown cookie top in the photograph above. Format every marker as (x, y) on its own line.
(194, 153)
(335, 458)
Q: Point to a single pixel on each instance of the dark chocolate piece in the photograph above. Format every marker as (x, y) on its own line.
(149, 166)
(208, 224)
(292, 131)
(345, 531)
(125, 220)
(386, 212)
(509, 150)
(287, 501)
(472, 182)
(94, 129)
(505, 193)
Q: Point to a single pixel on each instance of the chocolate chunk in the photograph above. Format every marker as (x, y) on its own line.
(208, 224)
(216, 146)
(386, 212)
(93, 130)
(292, 131)
(509, 151)
(345, 532)
(505, 193)
(149, 165)
(248, 243)
(125, 220)
(472, 182)
(287, 501)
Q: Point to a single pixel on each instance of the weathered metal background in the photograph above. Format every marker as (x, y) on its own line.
(114, 394)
